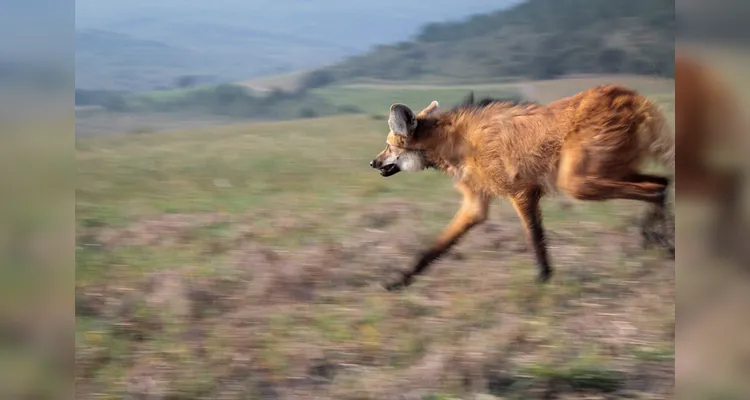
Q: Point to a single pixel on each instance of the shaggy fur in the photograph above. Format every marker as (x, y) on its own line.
(589, 146)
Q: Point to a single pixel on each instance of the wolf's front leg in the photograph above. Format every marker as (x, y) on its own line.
(473, 212)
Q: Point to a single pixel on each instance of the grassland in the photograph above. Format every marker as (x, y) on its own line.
(371, 95)
(367, 97)
(242, 261)
(375, 98)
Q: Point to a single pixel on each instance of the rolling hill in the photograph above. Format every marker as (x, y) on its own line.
(537, 39)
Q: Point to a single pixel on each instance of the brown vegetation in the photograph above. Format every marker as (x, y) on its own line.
(311, 324)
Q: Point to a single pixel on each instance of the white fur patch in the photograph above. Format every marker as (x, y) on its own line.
(410, 162)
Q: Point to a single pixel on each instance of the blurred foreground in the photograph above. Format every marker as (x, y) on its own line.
(242, 318)
(713, 257)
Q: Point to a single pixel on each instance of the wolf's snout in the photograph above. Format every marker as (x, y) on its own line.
(375, 164)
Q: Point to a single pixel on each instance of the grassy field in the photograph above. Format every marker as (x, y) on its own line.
(376, 98)
(243, 261)
(371, 98)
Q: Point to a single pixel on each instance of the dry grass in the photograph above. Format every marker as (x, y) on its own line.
(313, 321)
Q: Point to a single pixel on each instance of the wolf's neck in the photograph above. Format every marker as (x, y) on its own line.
(449, 155)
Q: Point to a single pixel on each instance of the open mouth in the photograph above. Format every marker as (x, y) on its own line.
(389, 170)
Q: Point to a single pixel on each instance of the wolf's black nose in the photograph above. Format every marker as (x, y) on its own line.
(373, 164)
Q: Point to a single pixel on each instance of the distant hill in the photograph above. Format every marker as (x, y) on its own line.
(537, 39)
(110, 60)
(139, 45)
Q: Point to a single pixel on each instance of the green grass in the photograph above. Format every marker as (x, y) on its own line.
(377, 101)
(376, 98)
(371, 98)
(594, 376)
(236, 168)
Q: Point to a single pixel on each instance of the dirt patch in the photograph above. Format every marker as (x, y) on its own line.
(162, 230)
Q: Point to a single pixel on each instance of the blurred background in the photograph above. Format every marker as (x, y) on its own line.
(230, 236)
(713, 258)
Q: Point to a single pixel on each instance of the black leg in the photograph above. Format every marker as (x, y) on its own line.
(527, 207)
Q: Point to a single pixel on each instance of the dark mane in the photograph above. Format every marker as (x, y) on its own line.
(469, 102)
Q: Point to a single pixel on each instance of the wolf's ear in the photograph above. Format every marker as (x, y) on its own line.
(469, 99)
(429, 109)
(402, 120)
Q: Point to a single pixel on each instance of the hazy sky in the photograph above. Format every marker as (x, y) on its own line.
(364, 22)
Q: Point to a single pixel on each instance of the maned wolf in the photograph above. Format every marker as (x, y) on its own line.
(589, 145)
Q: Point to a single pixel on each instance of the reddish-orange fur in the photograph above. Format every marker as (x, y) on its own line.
(589, 145)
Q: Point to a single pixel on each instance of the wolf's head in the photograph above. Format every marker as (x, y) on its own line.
(404, 147)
